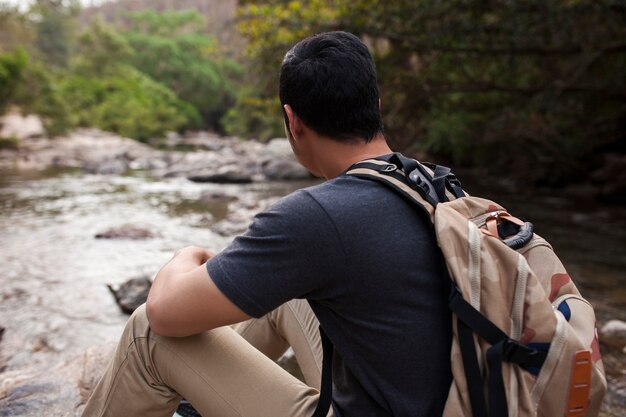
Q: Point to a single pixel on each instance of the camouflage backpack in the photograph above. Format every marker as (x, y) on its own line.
(524, 340)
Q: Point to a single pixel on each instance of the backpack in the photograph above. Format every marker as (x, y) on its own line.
(524, 340)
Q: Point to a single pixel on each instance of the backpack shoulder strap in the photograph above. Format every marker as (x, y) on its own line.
(424, 184)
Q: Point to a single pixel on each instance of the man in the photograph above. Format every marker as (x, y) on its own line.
(350, 251)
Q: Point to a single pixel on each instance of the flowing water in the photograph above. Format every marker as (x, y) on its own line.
(54, 299)
(54, 303)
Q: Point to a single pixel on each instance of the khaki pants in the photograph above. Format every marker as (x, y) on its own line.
(224, 372)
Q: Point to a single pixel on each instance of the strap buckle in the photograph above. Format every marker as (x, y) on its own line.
(523, 355)
(389, 168)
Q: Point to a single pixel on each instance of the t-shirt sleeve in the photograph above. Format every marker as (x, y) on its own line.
(292, 250)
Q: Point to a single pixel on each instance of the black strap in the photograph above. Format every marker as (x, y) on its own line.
(326, 390)
(474, 318)
(470, 321)
(439, 181)
(472, 370)
(496, 391)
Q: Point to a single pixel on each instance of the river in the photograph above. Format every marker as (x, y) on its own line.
(54, 303)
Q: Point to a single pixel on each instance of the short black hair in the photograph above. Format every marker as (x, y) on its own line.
(329, 80)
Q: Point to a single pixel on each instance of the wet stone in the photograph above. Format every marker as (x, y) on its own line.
(224, 175)
(107, 167)
(126, 232)
(61, 390)
(131, 294)
(284, 169)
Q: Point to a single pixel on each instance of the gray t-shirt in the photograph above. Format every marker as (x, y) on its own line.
(367, 262)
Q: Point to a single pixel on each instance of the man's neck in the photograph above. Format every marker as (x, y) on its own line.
(336, 157)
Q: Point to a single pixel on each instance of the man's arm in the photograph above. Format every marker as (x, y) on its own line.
(184, 300)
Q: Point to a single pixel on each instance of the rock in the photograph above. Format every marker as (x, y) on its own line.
(285, 170)
(91, 149)
(240, 216)
(224, 175)
(60, 391)
(15, 125)
(279, 163)
(204, 140)
(229, 228)
(278, 148)
(186, 164)
(290, 364)
(131, 294)
(107, 167)
(126, 232)
(613, 333)
(215, 196)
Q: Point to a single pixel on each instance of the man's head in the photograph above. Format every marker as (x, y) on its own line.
(329, 81)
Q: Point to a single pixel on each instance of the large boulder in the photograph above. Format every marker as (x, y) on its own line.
(59, 391)
(230, 174)
(284, 170)
(16, 125)
(279, 163)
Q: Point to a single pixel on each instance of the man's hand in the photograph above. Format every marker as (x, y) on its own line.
(184, 300)
(194, 254)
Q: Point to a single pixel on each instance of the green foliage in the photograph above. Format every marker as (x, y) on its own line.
(271, 28)
(174, 49)
(88, 80)
(9, 143)
(254, 117)
(126, 102)
(54, 22)
(11, 66)
(101, 50)
(34, 91)
(103, 91)
(477, 81)
(39, 92)
(99, 90)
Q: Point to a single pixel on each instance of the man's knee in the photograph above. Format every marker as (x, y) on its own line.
(137, 325)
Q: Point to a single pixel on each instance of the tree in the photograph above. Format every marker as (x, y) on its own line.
(11, 67)
(54, 22)
(102, 90)
(174, 48)
(271, 28)
(505, 82)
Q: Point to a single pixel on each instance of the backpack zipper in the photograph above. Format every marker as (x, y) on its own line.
(481, 220)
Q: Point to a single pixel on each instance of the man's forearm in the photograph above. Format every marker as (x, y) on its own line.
(169, 289)
(184, 300)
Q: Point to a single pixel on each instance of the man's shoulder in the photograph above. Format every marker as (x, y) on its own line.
(337, 188)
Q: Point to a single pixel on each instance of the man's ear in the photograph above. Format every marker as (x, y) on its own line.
(293, 124)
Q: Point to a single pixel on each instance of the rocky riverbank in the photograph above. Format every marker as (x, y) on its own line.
(214, 158)
(120, 169)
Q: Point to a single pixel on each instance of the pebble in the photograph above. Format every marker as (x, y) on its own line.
(613, 333)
